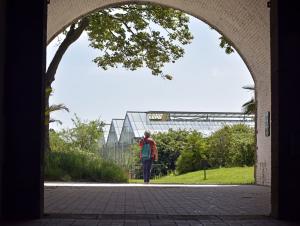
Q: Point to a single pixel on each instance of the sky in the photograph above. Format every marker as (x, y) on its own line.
(205, 80)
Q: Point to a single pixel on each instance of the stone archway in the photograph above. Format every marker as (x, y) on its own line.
(245, 23)
(22, 66)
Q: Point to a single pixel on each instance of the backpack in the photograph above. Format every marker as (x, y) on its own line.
(146, 151)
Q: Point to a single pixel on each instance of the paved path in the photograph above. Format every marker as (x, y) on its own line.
(156, 199)
(157, 205)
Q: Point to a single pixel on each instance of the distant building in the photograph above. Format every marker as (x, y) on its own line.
(114, 131)
(103, 138)
(126, 132)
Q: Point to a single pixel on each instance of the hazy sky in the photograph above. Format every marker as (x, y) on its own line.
(205, 79)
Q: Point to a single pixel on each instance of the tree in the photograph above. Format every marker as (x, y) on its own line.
(242, 145)
(48, 119)
(53, 108)
(250, 106)
(226, 44)
(170, 145)
(85, 135)
(218, 145)
(132, 36)
(193, 155)
(126, 36)
(232, 146)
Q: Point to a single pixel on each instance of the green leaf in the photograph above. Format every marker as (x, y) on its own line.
(135, 36)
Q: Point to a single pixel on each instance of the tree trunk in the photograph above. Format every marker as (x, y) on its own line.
(47, 148)
(72, 35)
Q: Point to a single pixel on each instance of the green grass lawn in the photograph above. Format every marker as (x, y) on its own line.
(235, 175)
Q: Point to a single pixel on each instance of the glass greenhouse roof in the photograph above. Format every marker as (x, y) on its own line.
(204, 122)
(106, 131)
(114, 131)
(118, 124)
(103, 139)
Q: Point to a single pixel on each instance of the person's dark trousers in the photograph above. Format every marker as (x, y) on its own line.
(147, 169)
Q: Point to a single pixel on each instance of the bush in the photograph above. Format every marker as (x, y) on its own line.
(81, 166)
(193, 155)
(232, 146)
(84, 136)
(74, 155)
(242, 146)
(186, 151)
(169, 146)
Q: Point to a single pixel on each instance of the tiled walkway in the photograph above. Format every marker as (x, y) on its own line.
(160, 205)
(157, 199)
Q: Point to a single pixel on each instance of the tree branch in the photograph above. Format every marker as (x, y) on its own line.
(124, 23)
(131, 7)
(72, 35)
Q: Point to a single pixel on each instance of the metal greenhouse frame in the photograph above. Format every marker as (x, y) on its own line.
(123, 133)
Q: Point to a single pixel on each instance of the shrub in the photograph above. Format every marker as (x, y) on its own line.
(81, 166)
(75, 157)
(169, 146)
(193, 155)
(232, 146)
(84, 136)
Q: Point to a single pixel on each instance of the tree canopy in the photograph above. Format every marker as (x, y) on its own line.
(131, 36)
(138, 35)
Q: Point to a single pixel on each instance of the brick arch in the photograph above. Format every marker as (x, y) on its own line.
(245, 23)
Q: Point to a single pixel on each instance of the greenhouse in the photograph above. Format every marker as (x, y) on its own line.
(125, 132)
(111, 135)
(103, 138)
(114, 131)
(136, 123)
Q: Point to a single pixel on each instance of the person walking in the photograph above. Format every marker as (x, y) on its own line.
(148, 154)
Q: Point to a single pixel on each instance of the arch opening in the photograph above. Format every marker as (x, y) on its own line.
(233, 42)
(246, 25)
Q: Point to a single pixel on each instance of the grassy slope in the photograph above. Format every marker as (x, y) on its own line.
(235, 175)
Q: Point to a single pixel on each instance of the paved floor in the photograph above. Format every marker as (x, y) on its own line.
(201, 221)
(160, 205)
(157, 199)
